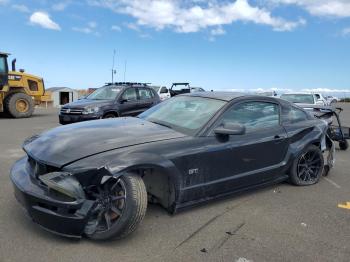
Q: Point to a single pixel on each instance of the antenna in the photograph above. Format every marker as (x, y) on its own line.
(113, 71)
(125, 68)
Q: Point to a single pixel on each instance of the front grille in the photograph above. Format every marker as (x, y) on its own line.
(71, 111)
(38, 169)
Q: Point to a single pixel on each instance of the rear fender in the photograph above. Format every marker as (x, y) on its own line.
(301, 139)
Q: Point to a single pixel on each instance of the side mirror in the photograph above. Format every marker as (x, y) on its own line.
(230, 128)
(123, 100)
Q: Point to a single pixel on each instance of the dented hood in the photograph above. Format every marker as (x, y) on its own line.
(66, 144)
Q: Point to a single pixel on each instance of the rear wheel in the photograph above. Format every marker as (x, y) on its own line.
(19, 105)
(109, 115)
(121, 206)
(307, 167)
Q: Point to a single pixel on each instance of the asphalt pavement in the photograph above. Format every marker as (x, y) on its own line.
(278, 223)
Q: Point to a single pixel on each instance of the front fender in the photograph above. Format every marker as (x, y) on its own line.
(92, 170)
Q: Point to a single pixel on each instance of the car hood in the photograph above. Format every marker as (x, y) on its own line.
(83, 103)
(66, 144)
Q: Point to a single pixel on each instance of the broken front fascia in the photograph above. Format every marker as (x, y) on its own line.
(75, 184)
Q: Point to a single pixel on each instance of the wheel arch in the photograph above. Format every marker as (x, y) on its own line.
(162, 180)
(15, 91)
(114, 112)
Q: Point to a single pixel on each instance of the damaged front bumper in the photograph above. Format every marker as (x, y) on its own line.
(53, 211)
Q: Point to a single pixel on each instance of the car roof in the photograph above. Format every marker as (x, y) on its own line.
(225, 96)
(127, 86)
(229, 96)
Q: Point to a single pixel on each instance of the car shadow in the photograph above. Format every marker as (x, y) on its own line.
(154, 212)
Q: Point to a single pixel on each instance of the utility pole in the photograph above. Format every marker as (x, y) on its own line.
(125, 68)
(113, 71)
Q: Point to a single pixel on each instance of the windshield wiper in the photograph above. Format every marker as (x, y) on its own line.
(160, 123)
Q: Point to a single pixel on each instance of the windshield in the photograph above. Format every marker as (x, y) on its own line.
(299, 98)
(105, 93)
(183, 113)
(2, 65)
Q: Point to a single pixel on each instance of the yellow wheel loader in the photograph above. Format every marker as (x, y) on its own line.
(19, 91)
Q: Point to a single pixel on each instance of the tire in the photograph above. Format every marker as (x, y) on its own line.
(307, 168)
(109, 115)
(133, 212)
(343, 145)
(19, 105)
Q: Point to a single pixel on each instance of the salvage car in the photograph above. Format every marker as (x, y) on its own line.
(96, 178)
(110, 101)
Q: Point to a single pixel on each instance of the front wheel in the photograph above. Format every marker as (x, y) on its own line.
(307, 168)
(121, 206)
(109, 115)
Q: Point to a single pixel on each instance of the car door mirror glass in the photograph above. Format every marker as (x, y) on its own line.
(230, 128)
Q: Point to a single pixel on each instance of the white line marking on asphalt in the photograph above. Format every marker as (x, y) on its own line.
(332, 182)
(243, 259)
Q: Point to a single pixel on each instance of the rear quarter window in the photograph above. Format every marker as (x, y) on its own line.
(294, 115)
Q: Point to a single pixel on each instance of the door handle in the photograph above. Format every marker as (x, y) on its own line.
(278, 138)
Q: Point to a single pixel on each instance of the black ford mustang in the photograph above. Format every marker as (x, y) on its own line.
(95, 178)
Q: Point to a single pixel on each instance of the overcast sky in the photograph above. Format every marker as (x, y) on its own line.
(228, 44)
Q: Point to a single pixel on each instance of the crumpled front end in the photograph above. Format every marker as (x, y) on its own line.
(55, 200)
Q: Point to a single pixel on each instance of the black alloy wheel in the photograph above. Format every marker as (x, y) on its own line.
(110, 203)
(307, 167)
(120, 205)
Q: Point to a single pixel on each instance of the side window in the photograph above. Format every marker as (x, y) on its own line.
(253, 115)
(33, 86)
(2, 65)
(293, 115)
(129, 94)
(145, 93)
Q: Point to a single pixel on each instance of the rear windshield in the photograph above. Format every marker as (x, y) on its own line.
(299, 98)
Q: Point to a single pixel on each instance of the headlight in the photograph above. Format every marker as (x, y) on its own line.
(91, 110)
(64, 183)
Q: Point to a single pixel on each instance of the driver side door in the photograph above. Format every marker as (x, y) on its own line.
(129, 103)
(238, 161)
